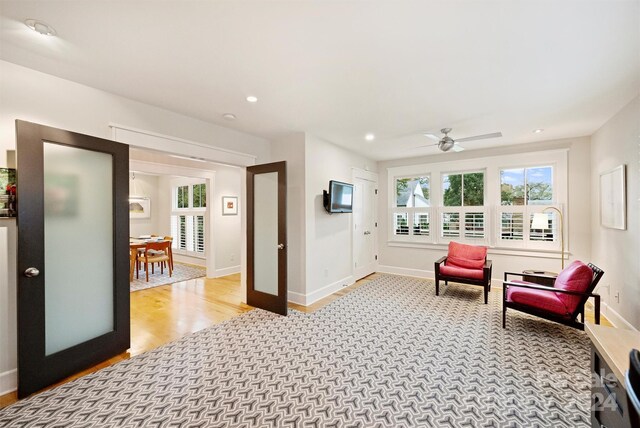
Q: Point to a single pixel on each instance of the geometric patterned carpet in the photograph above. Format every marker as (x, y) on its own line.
(181, 272)
(389, 354)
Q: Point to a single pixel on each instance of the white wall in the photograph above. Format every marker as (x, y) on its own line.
(292, 150)
(419, 261)
(227, 228)
(37, 97)
(8, 314)
(617, 252)
(147, 186)
(329, 264)
(319, 244)
(48, 100)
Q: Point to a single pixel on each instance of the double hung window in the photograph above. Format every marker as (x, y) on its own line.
(187, 219)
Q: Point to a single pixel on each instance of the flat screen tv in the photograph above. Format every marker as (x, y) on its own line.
(339, 199)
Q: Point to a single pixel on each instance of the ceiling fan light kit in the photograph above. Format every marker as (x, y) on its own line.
(447, 143)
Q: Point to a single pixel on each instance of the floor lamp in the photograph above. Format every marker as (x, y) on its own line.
(541, 221)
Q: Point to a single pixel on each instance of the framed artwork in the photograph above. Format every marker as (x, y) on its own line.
(139, 207)
(613, 198)
(229, 205)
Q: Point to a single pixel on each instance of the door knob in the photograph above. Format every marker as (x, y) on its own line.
(31, 272)
(280, 246)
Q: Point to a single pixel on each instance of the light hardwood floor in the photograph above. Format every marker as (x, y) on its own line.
(162, 314)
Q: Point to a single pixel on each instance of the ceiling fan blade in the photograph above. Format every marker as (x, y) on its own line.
(432, 136)
(480, 137)
(457, 148)
(421, 147)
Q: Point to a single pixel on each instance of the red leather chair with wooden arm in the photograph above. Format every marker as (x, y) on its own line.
(466, 264)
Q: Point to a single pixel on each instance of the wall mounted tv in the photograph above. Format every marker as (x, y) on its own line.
(339, 198)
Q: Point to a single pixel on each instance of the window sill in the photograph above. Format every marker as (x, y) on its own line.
(522, 252)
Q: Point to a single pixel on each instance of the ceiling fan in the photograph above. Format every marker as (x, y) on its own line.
(446, 143)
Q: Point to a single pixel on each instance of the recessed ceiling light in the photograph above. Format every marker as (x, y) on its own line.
(369, 137)
(229, 116)
(40, 27)
(537, 131)
(252, 99)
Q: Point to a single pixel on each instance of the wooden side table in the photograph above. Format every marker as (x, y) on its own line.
(541, 277)
(610, 349)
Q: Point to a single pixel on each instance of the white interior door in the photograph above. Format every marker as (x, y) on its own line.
(364, 227)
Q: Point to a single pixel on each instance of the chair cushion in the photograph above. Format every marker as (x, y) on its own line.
(540, 299)
(460, 272)
(466, 256)
(575, 277)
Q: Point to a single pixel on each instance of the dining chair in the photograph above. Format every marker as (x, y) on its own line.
(170, 239)
(156, 252)
(132, 262)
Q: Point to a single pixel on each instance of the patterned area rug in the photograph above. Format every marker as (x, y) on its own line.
(181, 272)
(389, 354)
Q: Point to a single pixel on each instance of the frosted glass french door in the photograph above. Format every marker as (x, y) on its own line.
(73, 288)
(266, 237)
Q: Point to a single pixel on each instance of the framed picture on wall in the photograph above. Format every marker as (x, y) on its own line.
(613, 198)
(229, 205)
(139, 207)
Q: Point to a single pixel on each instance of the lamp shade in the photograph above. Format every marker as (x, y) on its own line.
(540, 221)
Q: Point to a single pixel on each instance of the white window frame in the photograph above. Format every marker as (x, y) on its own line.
(411, 211)
(491, 166)
(191, 215)
(528, 211)
(463, 209)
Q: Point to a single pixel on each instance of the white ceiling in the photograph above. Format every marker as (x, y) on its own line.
(340, 69)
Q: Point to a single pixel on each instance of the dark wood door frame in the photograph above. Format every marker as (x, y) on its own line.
(36, 370)
(277, 304)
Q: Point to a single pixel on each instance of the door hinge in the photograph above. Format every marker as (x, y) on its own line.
(376, 257)
(376, 224)
(376, 191)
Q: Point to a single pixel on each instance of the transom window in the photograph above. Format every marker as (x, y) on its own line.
(182, 197)
(526, 186)
(412, 192)
(463, 189)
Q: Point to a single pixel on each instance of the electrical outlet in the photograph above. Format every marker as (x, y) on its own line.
(232, 257)
(617, 297)
(326, 273)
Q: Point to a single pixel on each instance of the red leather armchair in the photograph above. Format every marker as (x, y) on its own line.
(561, 303)
(467, 264)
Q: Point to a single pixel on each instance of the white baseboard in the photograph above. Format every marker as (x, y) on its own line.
(327, 290)
(8, 381)
(615, 318)
(226, 271)
(297, 298)
(424, 274)
(417, 273)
